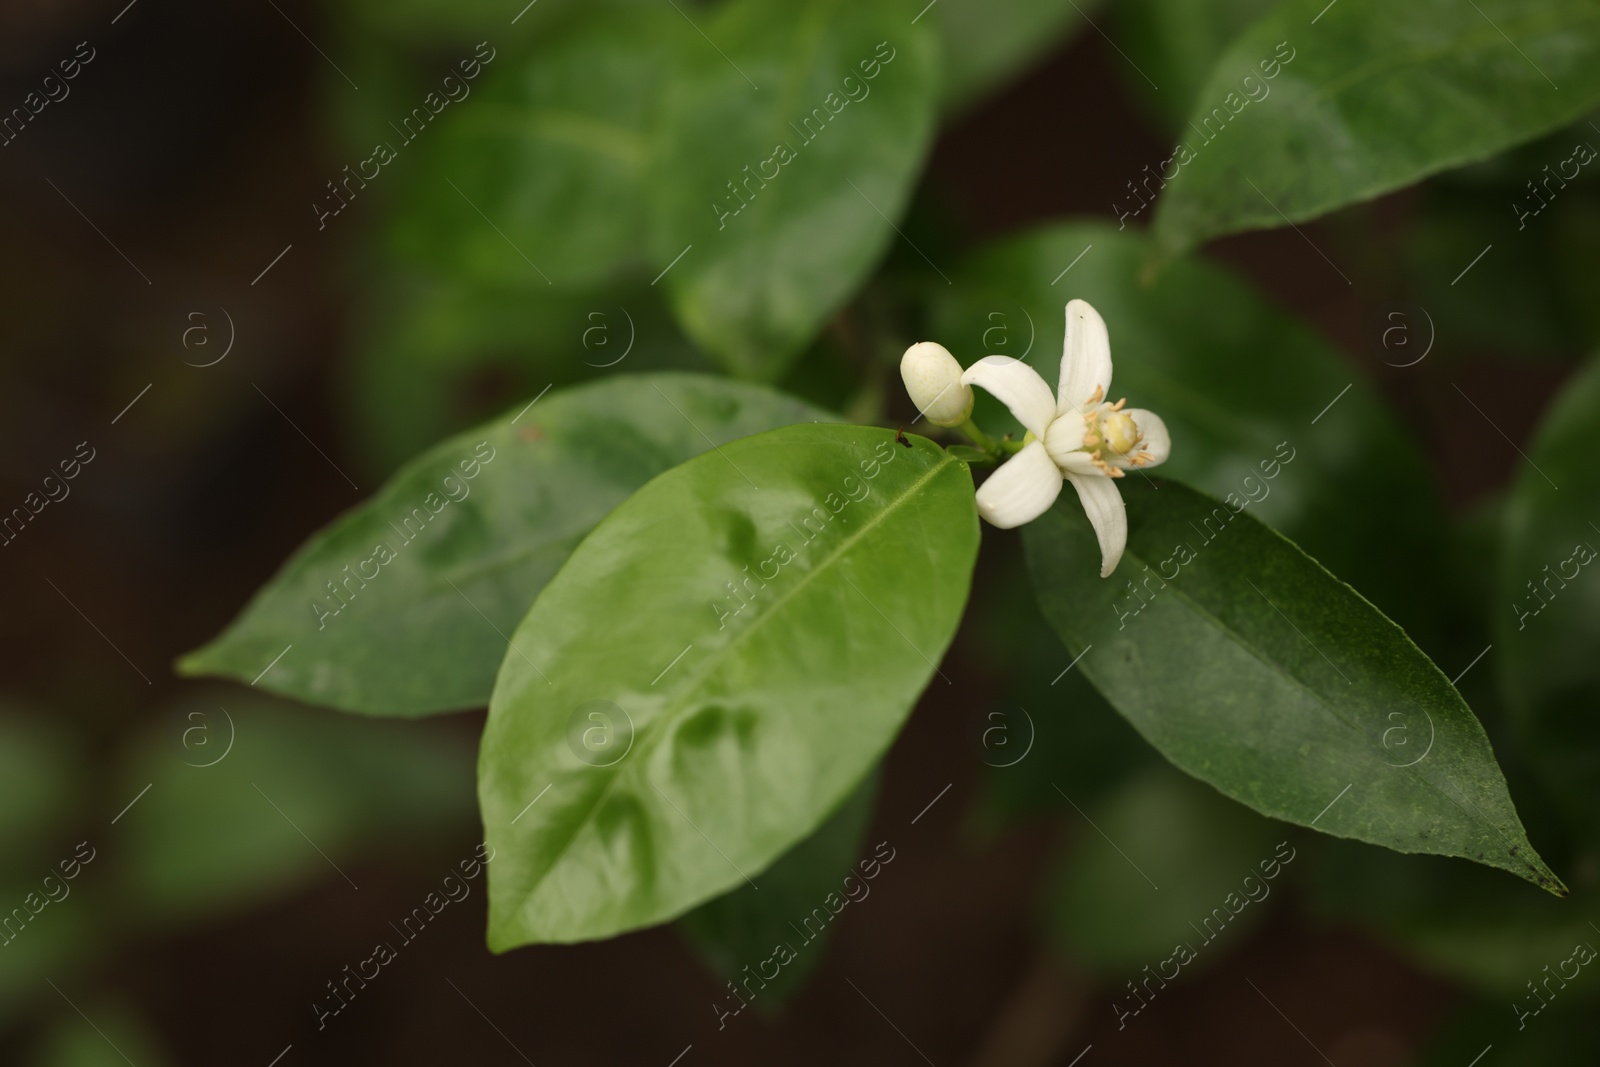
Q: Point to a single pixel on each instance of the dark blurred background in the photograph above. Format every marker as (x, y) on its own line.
(156, 218)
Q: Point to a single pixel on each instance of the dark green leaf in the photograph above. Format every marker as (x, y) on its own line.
(789, 146)
(472, 530)
(1242, 387)
(740, 929)
(1373, 97)
(708, 677)
(1251, 667)
(1547, 615)
(536, 176)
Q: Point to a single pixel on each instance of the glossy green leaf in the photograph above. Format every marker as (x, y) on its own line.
(1547, 609)
(536, 177)
(1251, 667)
(788, 146)
(403, 606)
(713, 671)
(988, 42)
(1257, 403)
(252, 799)
(1373, 97)
(1172, 49)
(1180, 851)
(741, 929)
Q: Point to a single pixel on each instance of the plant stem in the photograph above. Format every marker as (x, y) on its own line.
(979, 438)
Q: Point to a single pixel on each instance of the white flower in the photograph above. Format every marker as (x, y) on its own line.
(933, 379)
(1075, 434)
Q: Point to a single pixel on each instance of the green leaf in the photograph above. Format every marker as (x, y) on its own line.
(708, 677)
(252, 800)
(1374, 97)
(1252, 668)
(1547, 615)
(831, 106)
(536, 177)
(741, 929)
(1242, 387)
(1176, 46)
(1180, 850)
(472, 530)
(987, 42)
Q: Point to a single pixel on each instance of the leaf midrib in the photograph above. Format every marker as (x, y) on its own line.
(1481, 819)
(648, 739)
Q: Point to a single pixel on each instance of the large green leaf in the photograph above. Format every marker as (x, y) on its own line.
(472, 530)
(1547, 615)
(1251, 667)
(709, 676)
(538, 179)
(788, 147)
(1373, 97)
(1242, 385)
(744, 928)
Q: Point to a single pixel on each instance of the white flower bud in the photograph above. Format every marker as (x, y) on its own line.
(933, 380)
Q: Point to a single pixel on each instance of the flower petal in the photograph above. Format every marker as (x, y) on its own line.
(1017, 386)
(1153, 438)
(1021, 490)
(1102, 502)
(1085, 357)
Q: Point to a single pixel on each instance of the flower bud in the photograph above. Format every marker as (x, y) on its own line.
(933, 380)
